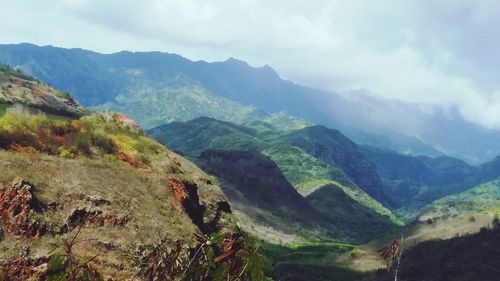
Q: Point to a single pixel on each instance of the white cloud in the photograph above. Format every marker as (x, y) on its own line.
(433, 52)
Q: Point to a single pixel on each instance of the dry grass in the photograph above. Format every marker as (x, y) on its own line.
(140, 195)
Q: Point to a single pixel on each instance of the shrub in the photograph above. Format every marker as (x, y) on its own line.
(496, 222)
(110, 158)
(89, 136)
(64, 264)
(66, 153)
(213, 258)
(356, 253)
(7, 69)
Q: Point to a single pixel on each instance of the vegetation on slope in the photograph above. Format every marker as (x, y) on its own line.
(413, 182)
(304, 171)
(93, 198)
(331, 192)
(16, 87)
(259, 191)
(312, 261)
(484, 198)
(333, 148)
(180, 101)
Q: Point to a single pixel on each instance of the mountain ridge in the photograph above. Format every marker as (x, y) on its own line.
(97, 79)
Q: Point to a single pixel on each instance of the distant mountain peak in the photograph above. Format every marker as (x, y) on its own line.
(237, 61)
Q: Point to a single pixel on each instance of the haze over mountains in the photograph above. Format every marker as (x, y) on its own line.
(140, 83)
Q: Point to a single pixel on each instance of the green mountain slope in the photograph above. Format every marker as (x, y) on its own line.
(413, 182)
(152, 106)
(137, 82)
(333, 148)
(310, 176)
(266, 203)
(484, 198)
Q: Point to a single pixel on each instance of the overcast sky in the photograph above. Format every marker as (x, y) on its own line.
(438, 52)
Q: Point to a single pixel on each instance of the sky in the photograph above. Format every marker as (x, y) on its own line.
(443, 53)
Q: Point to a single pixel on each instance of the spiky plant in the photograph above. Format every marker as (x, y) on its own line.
(65, 265)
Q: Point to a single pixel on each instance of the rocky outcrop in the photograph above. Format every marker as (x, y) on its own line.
(122, 119)
(16, 88)
(23, 268)
(84, 216)
(206, 218)
(17, 204)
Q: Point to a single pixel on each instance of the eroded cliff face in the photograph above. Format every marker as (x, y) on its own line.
(205, 216)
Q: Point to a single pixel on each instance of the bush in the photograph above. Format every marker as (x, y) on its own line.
(356, 253)
(215, 257)
(110, 158)
(66, 153)
(496, 222)
(89, 136)
(66, 265)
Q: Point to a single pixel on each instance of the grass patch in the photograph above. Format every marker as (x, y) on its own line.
(484, 198)
(311, 261)
(89, 136)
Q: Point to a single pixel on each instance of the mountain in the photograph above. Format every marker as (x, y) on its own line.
(88, 196)
(484, 198)
(323, 184)
(490, 170)
(408, 128)
(326, 145)
(156, 88)
(265, 202)
(332, 147)
(413, 182)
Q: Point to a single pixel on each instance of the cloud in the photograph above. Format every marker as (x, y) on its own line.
(438, 52)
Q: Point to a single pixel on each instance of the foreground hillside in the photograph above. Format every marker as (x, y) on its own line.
(90, 197)
(472, 257)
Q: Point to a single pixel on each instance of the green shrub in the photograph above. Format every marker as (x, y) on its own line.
(241, 260)
(110, 158)
(496, 222)
(356, 253)
(8, 70)
(66, 153)
(89, 136)
(66, 265)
